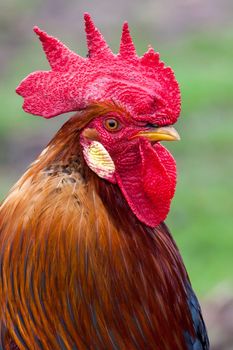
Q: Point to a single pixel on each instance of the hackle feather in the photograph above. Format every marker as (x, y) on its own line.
(75, 271)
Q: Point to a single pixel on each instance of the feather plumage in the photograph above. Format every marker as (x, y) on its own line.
(79, 270)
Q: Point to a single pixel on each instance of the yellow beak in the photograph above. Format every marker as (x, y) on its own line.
(166, 133)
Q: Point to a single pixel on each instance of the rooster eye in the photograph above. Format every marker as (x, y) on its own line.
(111, 124)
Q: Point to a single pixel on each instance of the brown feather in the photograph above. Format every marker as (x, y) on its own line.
(78, 270)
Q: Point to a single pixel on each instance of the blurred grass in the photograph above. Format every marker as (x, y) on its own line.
(201, 215)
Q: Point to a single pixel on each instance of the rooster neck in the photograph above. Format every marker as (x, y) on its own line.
(145, 258)
(76, 246)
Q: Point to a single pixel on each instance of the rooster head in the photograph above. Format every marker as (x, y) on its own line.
(133, 102)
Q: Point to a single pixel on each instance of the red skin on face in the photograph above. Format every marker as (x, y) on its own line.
(145, 173)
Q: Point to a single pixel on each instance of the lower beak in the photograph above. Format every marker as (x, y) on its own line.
(166, 133)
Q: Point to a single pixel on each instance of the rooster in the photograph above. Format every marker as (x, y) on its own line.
(86, 259)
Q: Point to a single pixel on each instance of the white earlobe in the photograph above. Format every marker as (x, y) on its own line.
(99, 160)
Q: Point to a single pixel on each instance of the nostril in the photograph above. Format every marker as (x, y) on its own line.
(151, 125)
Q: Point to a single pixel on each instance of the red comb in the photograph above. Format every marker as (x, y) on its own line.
(142, 85)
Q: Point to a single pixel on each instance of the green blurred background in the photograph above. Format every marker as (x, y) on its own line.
(195, 38)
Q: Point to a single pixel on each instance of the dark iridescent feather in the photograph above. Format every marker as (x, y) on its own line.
(200, 341)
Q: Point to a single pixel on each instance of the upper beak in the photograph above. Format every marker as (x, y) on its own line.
(166, 133)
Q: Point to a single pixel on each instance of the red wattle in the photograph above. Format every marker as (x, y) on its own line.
(147, 178)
